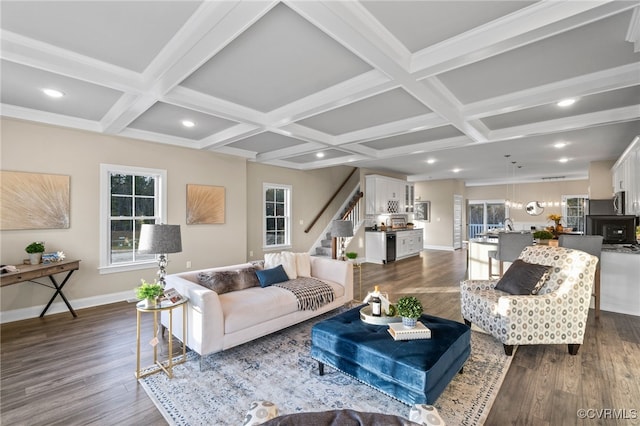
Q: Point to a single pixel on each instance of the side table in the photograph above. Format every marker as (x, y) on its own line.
(165, 305)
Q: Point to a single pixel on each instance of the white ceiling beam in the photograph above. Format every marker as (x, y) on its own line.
(46, 57)
(306, 133)
(209, 30)
(291, 151)
(616, 115)
(407, 125)
(29, 114)
(230, 135)
(338, 20)
(424, 147)
(528, 25)
(158, 138)
(588, 84)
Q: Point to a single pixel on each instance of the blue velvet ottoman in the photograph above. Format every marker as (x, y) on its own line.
(412, 371)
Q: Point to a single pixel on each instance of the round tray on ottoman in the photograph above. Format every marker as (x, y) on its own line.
(365, 315)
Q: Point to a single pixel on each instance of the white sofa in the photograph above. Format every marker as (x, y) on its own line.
(216, 322)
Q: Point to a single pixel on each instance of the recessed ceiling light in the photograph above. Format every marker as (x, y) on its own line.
(563, 159)
(431, 160)
(319, 154)
(417, 129)
(560, 145)
(53, 93)
(188, 123)
(566, 102)
(456, 170)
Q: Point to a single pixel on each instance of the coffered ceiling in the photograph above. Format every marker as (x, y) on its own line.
(385, 85)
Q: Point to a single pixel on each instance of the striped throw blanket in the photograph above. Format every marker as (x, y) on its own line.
(311, 293)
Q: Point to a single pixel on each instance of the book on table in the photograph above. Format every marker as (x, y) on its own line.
(172, 295)
(400, 332)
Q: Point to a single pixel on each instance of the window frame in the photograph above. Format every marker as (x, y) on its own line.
(484, 203)
(287, 216)
(565, 216)
(106, 170)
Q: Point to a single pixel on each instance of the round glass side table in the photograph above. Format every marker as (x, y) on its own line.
(168, 306)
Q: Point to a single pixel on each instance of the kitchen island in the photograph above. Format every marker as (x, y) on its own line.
(619, 273)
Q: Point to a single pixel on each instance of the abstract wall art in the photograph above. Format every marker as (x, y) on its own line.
(205, 204)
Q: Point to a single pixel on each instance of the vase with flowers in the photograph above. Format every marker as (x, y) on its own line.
(557, 229)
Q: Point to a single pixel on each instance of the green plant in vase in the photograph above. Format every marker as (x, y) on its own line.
(351, 255)
(35, 250)
(542, 236)
(149, 292)
(410, 309)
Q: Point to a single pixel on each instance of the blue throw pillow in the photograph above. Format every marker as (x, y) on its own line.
(271, 276)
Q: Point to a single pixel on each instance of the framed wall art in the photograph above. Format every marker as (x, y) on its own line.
(33, 201)
(423, 210)
(205, 204)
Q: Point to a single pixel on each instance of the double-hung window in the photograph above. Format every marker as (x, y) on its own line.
(277, 216)
(129, 197)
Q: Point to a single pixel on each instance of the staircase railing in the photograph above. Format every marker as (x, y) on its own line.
(328, 203)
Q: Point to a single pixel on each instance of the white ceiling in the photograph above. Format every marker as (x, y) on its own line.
(385, 85)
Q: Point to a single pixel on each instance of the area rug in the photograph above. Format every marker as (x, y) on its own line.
(278, 368)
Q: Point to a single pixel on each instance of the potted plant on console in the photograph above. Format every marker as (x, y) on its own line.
(149, 292)
(35, 250)
(410, 309)
(351, 255)
(543, 237)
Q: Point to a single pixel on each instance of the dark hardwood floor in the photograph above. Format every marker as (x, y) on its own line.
(64, 371)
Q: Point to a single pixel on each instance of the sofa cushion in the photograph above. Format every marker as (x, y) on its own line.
(272, 276)
(286, 259)
(303, 264)
(249, 278)
(523, 278)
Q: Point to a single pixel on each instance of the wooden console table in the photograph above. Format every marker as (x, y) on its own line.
(31, 272)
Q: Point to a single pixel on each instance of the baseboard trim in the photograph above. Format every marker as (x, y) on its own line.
(445, 248)
(59, 306)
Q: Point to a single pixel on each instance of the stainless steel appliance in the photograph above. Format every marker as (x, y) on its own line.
(615, 229)
(391, 247)
(618, 202)
(601, 207)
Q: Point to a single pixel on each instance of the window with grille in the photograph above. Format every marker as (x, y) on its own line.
(277, 216)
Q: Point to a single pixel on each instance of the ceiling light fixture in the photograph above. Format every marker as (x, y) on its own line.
(431, 160)
(560, 145)
(188, 123)
(566, 102)
(53, 93)
(563, 159)
(456, 170)
(320, 154)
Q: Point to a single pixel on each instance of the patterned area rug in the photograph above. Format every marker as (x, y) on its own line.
(278, 368)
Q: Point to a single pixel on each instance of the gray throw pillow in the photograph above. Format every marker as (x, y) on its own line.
(524, 278)
(221, 282)
(248, 278)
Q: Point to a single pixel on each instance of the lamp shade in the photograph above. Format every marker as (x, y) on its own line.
(160, 239)
(342, 228)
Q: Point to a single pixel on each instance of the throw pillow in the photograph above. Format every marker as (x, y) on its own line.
(272, 276)
(285, 258)
(303, 264)
(523, 278)
(426, 415)
(259, 412)
(221, 281)
(248, 278)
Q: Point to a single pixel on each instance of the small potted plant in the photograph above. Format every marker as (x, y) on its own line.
(149, 292)
(543, 237)
(351, 255)
(35, 250)
(410, 309)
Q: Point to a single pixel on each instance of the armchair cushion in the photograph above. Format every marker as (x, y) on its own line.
(523, 278)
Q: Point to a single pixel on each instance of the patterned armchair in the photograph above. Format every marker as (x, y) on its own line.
(556, 315)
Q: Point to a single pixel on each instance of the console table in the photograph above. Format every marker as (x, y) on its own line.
(32, 272)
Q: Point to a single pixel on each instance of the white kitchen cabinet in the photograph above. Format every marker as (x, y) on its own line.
(409, 196)
(384, 195)
(626, 177)
(375, 246)
(408, 243)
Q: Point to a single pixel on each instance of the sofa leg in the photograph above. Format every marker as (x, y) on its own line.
(467, 322)
(508, 350)
(573, 348)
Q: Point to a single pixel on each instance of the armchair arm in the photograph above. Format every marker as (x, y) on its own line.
(467, 285)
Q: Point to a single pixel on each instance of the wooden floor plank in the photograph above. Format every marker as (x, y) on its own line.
(59, 370)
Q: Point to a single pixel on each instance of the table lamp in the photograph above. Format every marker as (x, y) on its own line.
(341, 229)
(160, 239)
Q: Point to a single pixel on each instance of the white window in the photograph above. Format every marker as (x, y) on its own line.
(484, 215)
(129, 197)
(277, 216)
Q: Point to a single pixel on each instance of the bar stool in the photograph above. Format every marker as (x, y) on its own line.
(510, 245)
(591, 244)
